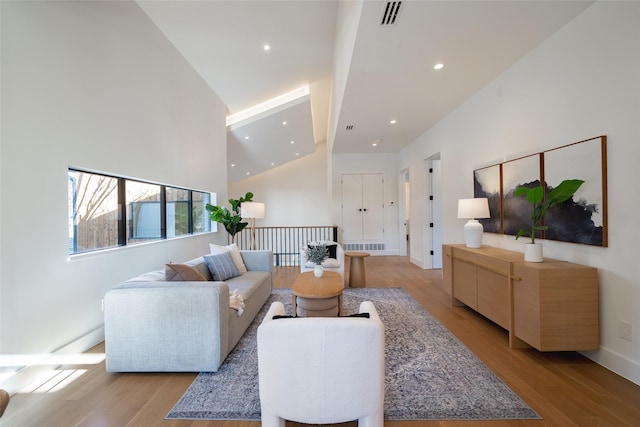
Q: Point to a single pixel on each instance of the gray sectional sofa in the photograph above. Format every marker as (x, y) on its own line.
(154, 325)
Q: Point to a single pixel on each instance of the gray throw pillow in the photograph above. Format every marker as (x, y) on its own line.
(221, 266)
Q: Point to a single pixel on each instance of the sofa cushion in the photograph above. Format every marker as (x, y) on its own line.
(182, 273)
(248, 282)
(235, 254)
(221, 266)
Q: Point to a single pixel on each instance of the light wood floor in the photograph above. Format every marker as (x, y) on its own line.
(566, 389)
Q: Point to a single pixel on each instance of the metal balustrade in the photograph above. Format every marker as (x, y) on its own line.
(285, 242)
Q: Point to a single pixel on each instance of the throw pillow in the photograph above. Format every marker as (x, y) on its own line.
(235, 254)
(332, 248)
(221, 266)
(182, 273)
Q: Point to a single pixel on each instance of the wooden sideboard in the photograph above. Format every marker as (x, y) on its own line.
(551, 306)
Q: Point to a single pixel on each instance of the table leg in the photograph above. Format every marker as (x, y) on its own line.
(356, 272)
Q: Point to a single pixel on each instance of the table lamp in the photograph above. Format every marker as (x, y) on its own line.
(472, 209)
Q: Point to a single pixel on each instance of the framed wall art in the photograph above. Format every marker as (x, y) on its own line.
(582, 219)
(487, 182)
(515, 173)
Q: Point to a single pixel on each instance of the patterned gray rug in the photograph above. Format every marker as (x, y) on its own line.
(430, 375)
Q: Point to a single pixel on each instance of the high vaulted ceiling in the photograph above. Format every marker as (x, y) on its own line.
(377, 72)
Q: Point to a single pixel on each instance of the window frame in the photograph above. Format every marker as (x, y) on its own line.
(122, 208)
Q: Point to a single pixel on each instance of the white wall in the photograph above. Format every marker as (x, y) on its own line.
(370, 163)
(582, 82)
(294, 194)
(93, 85)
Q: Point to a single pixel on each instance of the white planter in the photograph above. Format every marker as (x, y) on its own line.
(318, 271)
(533, 252)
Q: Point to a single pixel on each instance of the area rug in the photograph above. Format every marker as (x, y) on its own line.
(430, 374)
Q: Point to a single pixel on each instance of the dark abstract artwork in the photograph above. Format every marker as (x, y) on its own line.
(581, 219)
(487, 183)
(517, 211)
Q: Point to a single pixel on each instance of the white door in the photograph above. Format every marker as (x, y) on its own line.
(372, 207)
(351, 207)
(362, 207)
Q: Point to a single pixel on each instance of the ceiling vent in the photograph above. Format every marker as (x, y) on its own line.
(349, 127)
(390, 14)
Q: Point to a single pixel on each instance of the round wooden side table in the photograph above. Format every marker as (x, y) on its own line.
(356, 269)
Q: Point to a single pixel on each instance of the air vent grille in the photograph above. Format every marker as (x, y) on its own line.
(391, 10)
(364, 247)
(349, 127)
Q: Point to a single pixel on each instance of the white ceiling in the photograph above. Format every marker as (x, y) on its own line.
(390, 73)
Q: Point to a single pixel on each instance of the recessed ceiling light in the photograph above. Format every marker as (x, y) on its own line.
(375, 144)
(272, 164)
(266, 47)
(438, 66)
(297, 154)
(293, 142)
(233, 165)
(284, 123)
(248, 173)
(246, 137)
(393, 122)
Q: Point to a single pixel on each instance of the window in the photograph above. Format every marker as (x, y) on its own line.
(201, 222)
(143, 212)
(93, 211)
(152, 211)
(177, 212)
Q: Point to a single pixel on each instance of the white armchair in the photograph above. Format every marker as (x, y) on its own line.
(321, 370)
(331, 264)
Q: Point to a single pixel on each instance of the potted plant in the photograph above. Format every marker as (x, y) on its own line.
(563, 192)
(317, 254)
(231, 219)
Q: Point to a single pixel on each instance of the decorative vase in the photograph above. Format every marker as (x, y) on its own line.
(318, 270)
(533, 252)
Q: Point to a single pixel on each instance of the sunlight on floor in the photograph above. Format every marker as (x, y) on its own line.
(53, 380)
(49, 372)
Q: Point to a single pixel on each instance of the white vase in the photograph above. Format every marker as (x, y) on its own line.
(533, 252)
(318, 271)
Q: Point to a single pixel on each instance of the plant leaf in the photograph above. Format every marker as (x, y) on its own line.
(564, 191)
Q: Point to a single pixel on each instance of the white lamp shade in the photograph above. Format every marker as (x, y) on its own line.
(473, 208)
(252, 210)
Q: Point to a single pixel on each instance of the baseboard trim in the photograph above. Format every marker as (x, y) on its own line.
(616, 362)
(38, 365)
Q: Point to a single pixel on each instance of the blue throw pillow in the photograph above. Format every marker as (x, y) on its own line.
(221, 266)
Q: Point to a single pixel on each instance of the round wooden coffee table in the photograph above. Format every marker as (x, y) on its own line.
(317, 296)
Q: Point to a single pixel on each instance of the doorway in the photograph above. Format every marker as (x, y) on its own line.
(432, 256)
(405, 213)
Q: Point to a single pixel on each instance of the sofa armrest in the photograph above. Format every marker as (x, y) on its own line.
(166, 326)
(258, 260)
